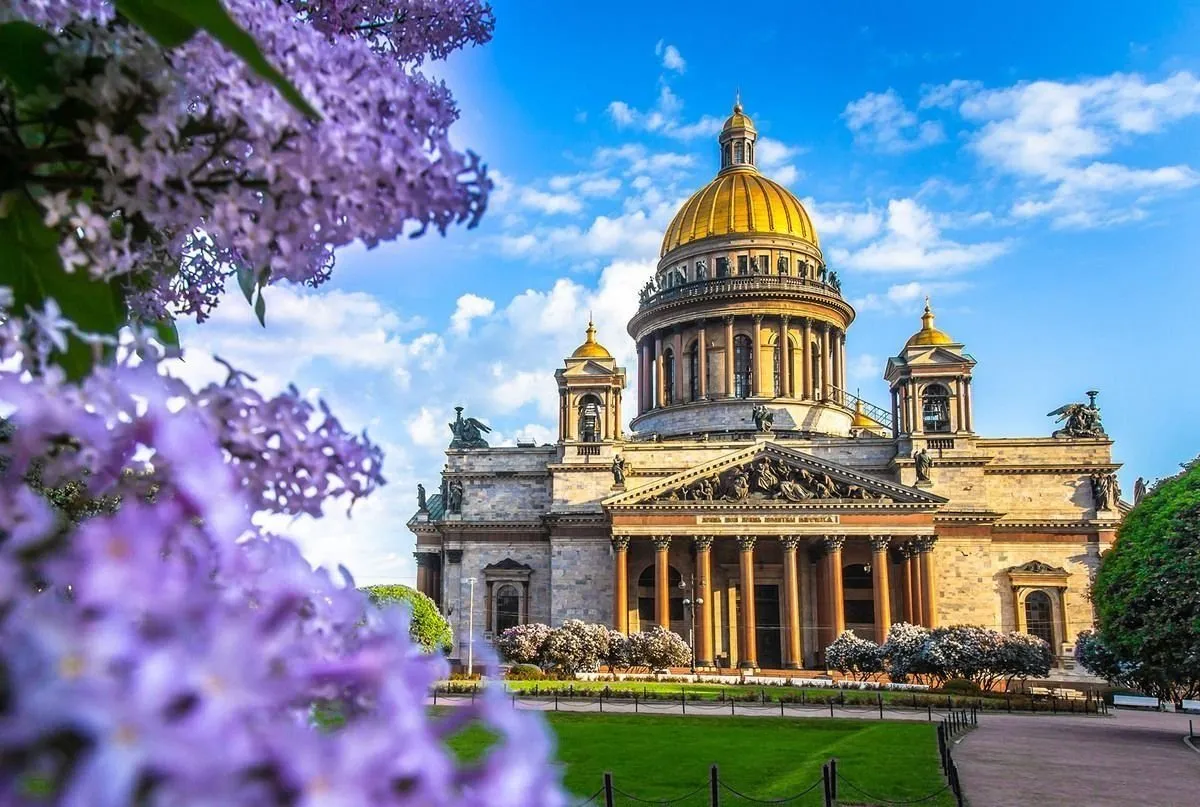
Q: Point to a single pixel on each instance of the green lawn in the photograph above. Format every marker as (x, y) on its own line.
(661, 757)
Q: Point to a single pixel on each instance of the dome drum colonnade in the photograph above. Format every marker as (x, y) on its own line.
(908, 556)
(742, 305)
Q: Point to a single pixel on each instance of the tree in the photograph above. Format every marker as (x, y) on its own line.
(428, 627)
(851, 655)
(1146, 595)
(154, 150)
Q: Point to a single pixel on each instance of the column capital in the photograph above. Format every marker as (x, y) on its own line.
(662, 542)
(789, 542)
(620, 542)
(699, 322)
(907, 550)
(834, 543)
(727, 319)
(703, 543)
(746, 542)
(785, 318)
(879, 543)
(758, 318)
(925, 543)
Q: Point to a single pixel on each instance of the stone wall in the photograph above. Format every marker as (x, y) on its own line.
(475, 556)
(581, 578)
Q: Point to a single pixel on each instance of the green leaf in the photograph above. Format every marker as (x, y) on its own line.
(260, 309)
(166, 332)
(29, 263)
(23, 58)
(247, 281)
(169, 20)
(164, 24)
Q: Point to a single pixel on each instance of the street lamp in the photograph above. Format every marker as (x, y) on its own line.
(690, 604)
(471, 627)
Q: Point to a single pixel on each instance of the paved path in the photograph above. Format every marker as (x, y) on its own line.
(1131, 758)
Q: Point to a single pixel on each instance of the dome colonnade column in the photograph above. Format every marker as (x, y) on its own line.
(815, 379)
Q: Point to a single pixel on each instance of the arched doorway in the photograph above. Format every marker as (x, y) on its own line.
(645, 597)
(1039, 616)
(859, 600)
(507, 608)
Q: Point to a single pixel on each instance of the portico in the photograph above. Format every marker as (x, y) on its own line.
(816, 566)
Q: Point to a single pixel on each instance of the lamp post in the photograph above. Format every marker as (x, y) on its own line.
(471, 627)
(690, 604)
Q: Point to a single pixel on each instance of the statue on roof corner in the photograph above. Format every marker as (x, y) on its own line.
(1079, 420)
(467, 433)
(764, 419)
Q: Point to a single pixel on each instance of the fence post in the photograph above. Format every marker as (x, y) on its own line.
(472, 696)
(714, 792)
(608, 789)
(601, 703)
(683, 702)
(1008, 700)
(831, 707)
(635, 703)
(929, 711)
(825, 781)
(833, 777)
(1054, 704)
(556, 701)
(879, 696)
(435, 696)
(781, 706)
(731, 707)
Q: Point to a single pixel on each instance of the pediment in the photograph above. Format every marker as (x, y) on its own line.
(590, 367)
(937, 356)
(1038, 567)
(769, 473)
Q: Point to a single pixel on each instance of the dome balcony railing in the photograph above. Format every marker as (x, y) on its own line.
(734, 284)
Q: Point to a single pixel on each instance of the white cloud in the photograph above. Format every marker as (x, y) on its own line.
(600, 186)
(863, 367)
(774, 159)
(469, 307)
(945, 96)
(912, 242)
(881, 121)
(841, 222)
(1055, 137)
(550, 203)
(664, 118)
(671, 59)
(903, 297)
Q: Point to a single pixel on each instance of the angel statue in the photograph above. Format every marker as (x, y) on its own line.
(764, 419)
(1139, 489)
(1079, 420)
(467, 433)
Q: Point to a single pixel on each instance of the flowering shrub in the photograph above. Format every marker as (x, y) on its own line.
(620, 651)
(147, 162)
(576, 645)
(902, 652)
(967, 652)
(659, 649)
(524, 644)
(853, 656)
(427, 626)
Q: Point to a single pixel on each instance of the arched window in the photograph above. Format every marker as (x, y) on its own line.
(506, 603)
(739, 152)
(589, 420)
(668, 359)
(935, 408)
(727, 155)
(1039, 616)
(694, 372)
(743, 366)
(675, 595)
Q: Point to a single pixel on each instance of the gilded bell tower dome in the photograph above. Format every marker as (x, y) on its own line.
(742, 311)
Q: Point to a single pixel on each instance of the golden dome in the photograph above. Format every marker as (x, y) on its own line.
(738, 202)
(738, 120)
(591, 349)
(862, 420)
(928, 335)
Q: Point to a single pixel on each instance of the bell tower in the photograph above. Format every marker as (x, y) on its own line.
(589, 395)
(931, 385)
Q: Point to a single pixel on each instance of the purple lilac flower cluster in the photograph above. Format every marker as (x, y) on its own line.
(169, 654)
(194, 168)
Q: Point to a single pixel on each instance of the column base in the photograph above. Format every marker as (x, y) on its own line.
(793, 666)
(704, 665)
(749, 666)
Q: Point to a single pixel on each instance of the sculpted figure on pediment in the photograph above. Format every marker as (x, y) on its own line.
(769, 478)
(739, 486)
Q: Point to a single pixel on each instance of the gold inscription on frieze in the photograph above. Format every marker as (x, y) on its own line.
(829, 518)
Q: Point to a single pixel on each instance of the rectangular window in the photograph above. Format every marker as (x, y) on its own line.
(646, 612)
(722, 267)
(743, 264)
(783, 265)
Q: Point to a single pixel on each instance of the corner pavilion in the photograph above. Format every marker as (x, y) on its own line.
(756, 488)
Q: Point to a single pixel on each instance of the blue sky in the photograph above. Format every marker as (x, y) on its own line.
(1035, 170)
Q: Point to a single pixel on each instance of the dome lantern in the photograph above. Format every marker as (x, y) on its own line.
(928, 335)
(591, 349)
(737, 140)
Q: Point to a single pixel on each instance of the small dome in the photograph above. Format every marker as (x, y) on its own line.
(591, 349)
(862, 420)
(737, 120)
(928, 335)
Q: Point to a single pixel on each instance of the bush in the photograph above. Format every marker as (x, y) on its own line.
(576, 645)
(901, 654)
(620, 652)
(851, 655)
(960, 686)
(525, 672)
(524, 644)
(427, 626)
(659, 649)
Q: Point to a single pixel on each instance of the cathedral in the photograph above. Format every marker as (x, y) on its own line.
(753, 505)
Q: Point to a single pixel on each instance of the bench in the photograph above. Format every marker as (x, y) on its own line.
(1136, 701)
(1191, 706)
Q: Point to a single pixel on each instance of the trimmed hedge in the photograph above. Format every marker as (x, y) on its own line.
(428, 627)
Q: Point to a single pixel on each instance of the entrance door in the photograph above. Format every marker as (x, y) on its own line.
(770, 631)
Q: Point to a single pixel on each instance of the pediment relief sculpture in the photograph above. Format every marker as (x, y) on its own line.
(769, 479)
(1038, 567)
